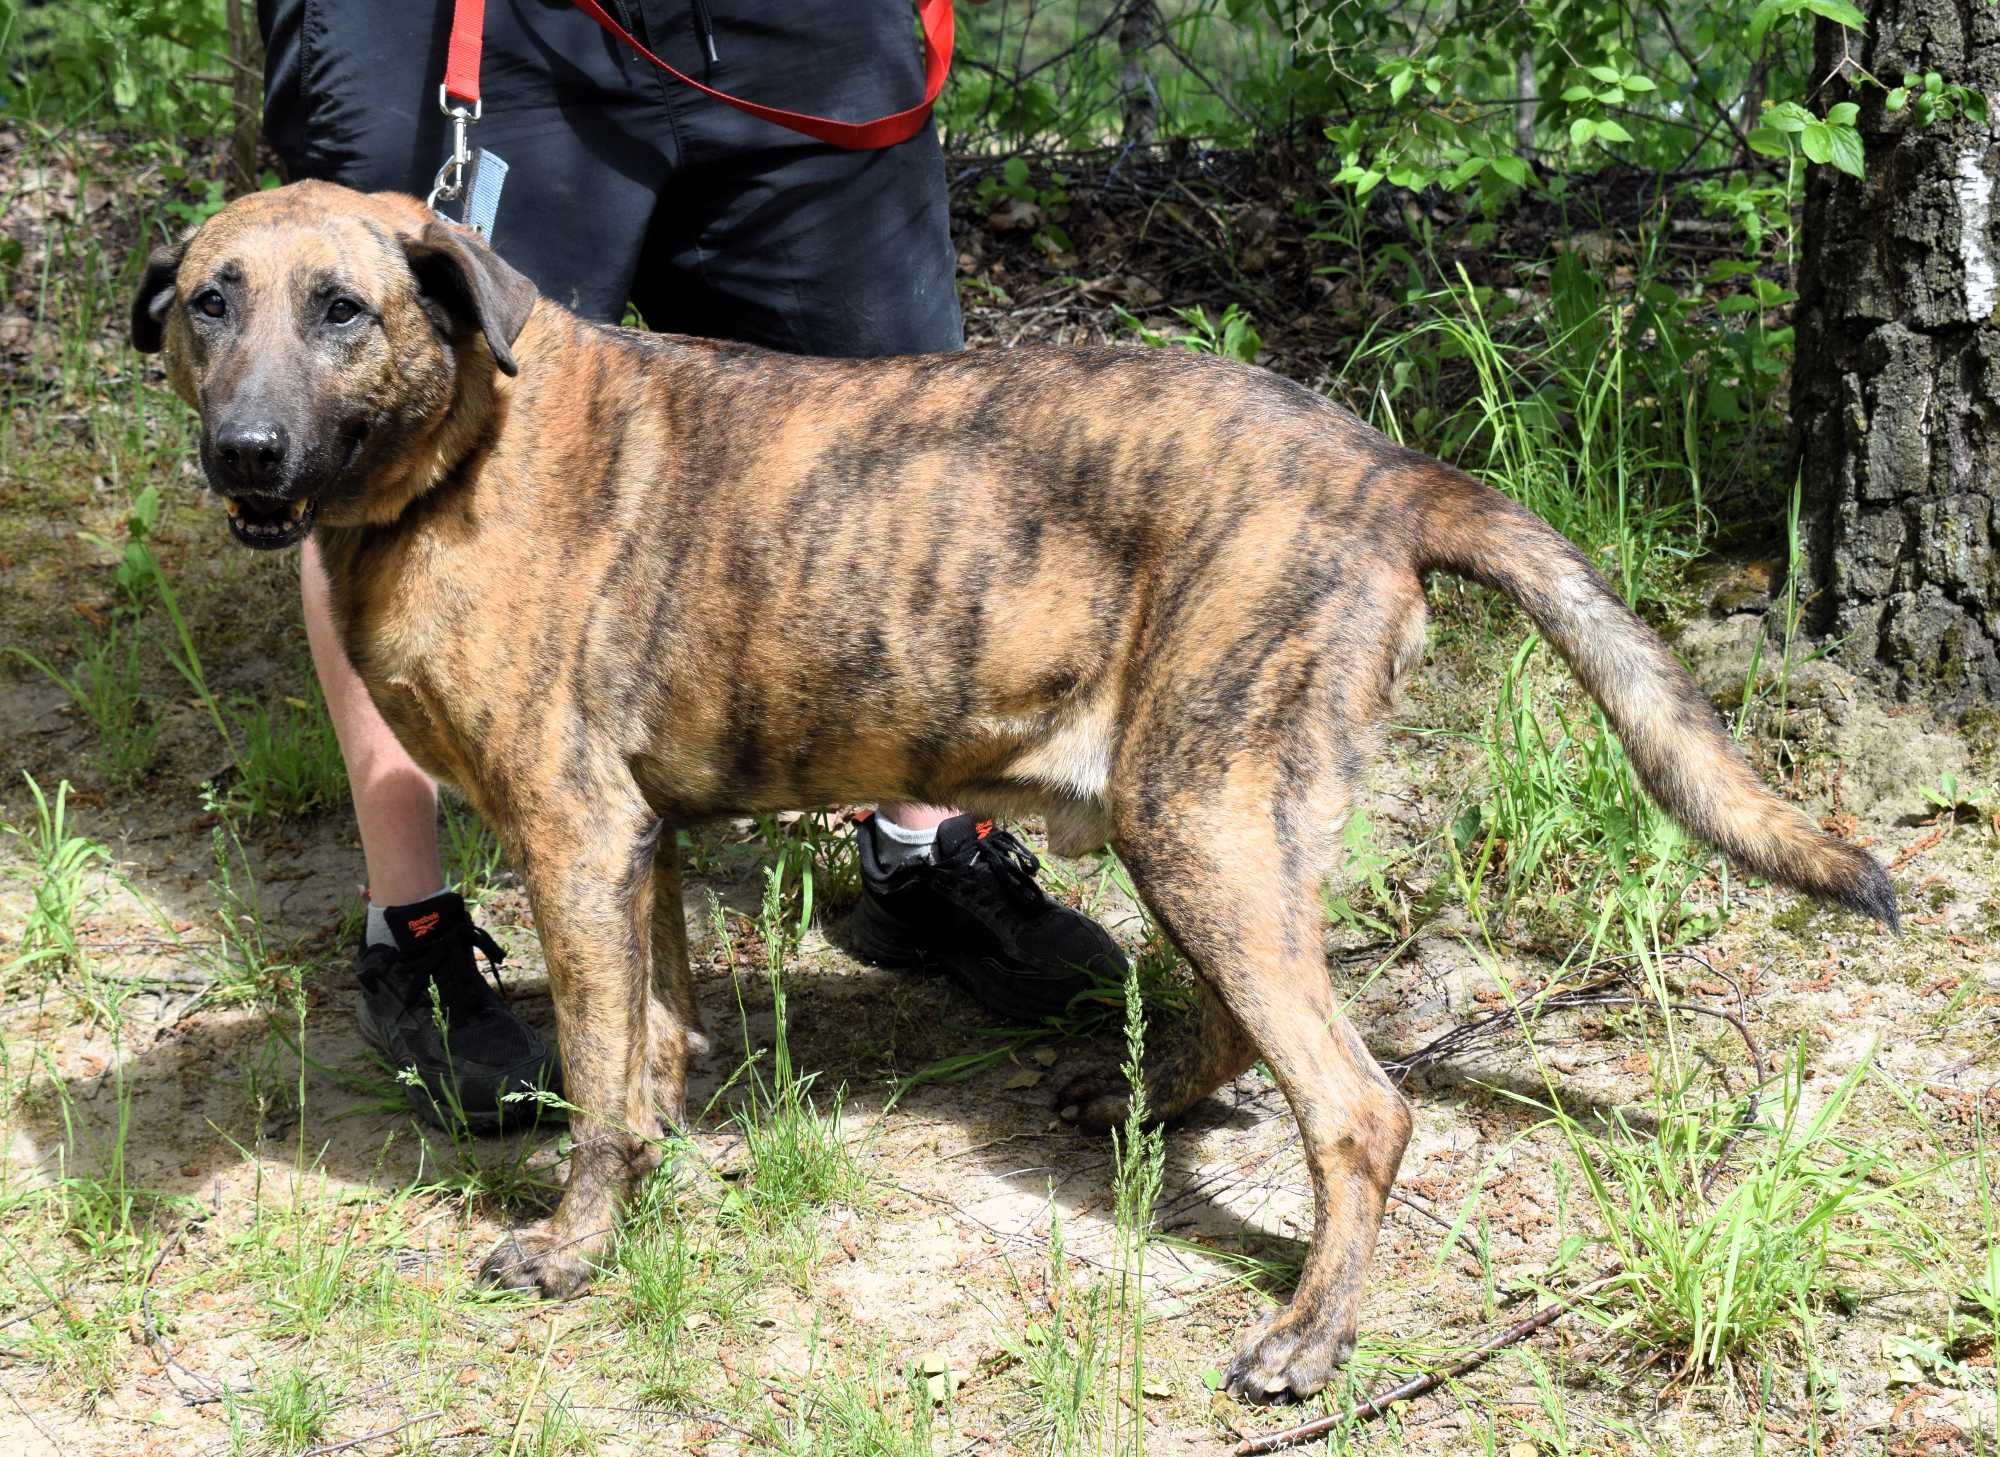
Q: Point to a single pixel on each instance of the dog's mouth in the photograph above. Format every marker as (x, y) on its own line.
(268, 523)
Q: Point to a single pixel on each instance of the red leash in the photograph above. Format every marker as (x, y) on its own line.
(468, 21)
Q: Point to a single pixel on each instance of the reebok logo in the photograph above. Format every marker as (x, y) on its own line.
(423, 925)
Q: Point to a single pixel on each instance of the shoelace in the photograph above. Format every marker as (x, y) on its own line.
(442, 963)
(1013, 863)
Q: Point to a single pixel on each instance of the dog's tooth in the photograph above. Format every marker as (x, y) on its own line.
(229, 504)
(299, 508)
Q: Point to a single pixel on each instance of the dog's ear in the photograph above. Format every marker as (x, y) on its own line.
(156, 296)
(467, 280)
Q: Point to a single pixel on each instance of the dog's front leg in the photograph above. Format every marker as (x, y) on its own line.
(591, 887)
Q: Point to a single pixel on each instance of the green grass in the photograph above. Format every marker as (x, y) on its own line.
(1728, 1247)
(289, 762)
(800, 1163)
(57, 866)
(106, 686)
(1065, 1355)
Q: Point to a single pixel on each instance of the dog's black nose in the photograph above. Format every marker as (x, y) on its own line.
(251, 453)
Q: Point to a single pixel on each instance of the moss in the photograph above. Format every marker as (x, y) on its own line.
(1794, 918)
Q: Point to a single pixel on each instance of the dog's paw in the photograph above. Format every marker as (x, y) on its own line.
(1287, 1359)
(1095, 1102)
(535, 1259)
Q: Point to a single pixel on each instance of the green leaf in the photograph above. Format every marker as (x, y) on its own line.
(1769, 142)
(1816, 141)
(1464, 172)
(1896, 99)
(1015, 172)
(1611, 131)
(1400, 83)
(1844, 114)
(1511, 169)
(1788, 116)
(1366, 182)
(1612, 96)
(1607, 74)
(1576, 93)
(1847, 152)
(1840, 12)
(145, 511)
(1581, 131)
(1638, 83)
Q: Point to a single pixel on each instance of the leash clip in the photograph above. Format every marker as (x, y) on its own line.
(449, 184)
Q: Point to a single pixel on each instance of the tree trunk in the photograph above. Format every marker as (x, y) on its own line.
(1138, 32)
(246, 66)
(1896, 387)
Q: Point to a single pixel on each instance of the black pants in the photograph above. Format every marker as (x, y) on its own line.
(623, 184)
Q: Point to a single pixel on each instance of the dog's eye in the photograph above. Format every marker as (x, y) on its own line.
(342, 311)
(211, 303)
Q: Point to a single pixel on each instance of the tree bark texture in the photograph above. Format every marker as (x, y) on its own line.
(1139, 30)
(1896, 385)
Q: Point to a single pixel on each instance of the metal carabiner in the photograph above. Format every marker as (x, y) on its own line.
(449, 183)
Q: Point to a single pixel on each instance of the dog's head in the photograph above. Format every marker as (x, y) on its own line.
(327, 338)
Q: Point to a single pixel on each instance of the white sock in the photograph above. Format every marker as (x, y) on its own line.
(377, 932)
(897, 845)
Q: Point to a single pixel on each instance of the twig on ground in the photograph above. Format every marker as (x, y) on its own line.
(1419, 1385)
(208, 1389)
(374, 1436)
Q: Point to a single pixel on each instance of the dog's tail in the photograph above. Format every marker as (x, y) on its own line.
(1684, 757)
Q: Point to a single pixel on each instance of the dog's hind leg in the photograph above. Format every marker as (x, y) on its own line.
(591, 886)
(674, 1032)
(1184, 1064)
(1239, 894)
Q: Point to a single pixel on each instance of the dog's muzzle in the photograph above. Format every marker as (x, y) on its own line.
(269, 522)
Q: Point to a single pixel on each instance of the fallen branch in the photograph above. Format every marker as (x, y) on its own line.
(1417, 1386)
(375, 1436)
(206, 1388)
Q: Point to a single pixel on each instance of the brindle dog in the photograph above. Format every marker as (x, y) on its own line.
(609, 583)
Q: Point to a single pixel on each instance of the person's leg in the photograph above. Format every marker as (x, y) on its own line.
(773, 239)
(395, 802)
(351, 97)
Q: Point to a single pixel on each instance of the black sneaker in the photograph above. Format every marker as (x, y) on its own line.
(973, 910)
(484, 1051)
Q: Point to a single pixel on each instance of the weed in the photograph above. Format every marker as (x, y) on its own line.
(1138, 1157)
(58, 869)
(817, 862)
(98, 1203)
(1734, 1270)
(1564, 822)
(677, 1287)
(289, 764)
(559, 1433)
(314, 1278)
(800, 1163)
(105, 686)
(245, 967)
(1232, 336)
(295, 1406)
(1065, 1358)
(858, 1418)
